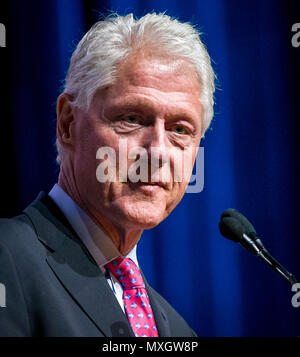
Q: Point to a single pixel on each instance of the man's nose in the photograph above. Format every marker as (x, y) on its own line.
(157, 142)
(157, 135)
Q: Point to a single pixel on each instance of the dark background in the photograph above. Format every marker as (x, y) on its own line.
(251, 152)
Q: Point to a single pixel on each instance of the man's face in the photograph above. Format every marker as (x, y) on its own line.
(154, 103)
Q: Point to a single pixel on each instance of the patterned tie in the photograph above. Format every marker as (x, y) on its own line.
(136, 300)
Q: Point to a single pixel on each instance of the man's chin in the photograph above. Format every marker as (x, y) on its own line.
(143, 215)
(146, 221)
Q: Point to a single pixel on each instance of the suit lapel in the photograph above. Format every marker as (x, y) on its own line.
(86, 283)
(76, 269)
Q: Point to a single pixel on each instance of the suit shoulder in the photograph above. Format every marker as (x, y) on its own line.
(16, 230)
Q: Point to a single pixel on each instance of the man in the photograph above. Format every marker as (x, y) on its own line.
(66, 260)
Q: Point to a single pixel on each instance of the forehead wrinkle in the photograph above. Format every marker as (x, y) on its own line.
(155, 69)
(141, 102)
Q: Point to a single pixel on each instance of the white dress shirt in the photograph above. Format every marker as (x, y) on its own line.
(96, 241)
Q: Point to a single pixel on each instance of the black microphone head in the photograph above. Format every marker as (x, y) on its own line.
(231, 228)
(233, 225)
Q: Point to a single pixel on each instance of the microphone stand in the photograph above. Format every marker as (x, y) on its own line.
(256, 247)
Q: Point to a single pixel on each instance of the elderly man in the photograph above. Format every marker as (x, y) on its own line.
(68, 262)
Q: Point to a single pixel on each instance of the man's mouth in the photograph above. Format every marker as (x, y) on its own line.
(151, 186)
(161, 184)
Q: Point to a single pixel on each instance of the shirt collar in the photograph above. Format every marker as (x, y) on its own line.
(96, 241)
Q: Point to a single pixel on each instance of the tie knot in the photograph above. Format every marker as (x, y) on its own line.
(126, 271)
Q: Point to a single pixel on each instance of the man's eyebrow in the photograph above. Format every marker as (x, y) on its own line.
(137, 103)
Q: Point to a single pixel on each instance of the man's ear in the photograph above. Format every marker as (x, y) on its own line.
(65, 117)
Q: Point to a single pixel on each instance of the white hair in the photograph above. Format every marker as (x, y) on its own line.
(94, 62)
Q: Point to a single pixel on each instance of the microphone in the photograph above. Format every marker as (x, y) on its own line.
(236, 227)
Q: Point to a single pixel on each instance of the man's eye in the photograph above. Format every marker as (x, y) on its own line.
(131, 119)
(180, 130)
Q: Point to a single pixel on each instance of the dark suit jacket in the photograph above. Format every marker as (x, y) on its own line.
(55, 288)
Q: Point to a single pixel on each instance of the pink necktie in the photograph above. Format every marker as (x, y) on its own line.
(136, 300)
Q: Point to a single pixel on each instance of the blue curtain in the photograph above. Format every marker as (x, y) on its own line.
(251, 156)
